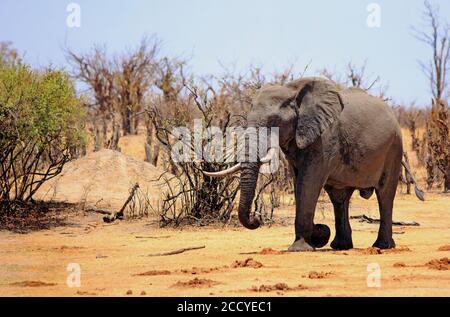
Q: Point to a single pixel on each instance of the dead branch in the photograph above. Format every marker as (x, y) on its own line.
(177, 251)
(119, 215)
(100, 211)
(364, 218)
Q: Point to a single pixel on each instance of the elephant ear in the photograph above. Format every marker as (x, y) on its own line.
(319, 105)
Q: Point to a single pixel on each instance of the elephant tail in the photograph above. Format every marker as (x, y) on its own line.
(419, 193)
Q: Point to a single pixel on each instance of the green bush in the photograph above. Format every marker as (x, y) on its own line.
(41, 128)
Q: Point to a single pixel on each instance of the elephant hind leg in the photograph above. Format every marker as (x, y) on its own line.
(386, 195)
(341, 202)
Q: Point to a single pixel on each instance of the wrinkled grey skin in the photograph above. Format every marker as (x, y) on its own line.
(334, 138)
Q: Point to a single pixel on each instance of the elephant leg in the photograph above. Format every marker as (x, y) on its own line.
(385, 195)
(307, 191)
(341, 202)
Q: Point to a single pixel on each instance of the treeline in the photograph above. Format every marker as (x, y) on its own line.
(45, 122)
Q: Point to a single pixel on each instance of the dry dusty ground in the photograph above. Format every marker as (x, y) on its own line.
(114, 258)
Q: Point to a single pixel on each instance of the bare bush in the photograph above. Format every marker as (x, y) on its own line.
(436, 69)
(96, 70)
(192, 196)
(439, 139)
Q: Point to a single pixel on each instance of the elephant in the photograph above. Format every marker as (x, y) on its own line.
(334, 138)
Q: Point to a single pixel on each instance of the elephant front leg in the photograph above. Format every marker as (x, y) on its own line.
(306, 196)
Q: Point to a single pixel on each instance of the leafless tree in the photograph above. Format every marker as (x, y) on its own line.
(135, 73)
(437, 37)
(96, 70)
(357, 76)
(439, 142)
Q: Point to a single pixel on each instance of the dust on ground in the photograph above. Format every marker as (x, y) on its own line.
(114, 259)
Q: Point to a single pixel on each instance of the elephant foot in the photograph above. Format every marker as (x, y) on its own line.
(320, 236)
(300, 246)
(341, 244)
(384, 243)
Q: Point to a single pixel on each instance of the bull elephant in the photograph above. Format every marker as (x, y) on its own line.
(336, 138)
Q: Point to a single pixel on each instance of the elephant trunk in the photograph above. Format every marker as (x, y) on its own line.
(249, 178)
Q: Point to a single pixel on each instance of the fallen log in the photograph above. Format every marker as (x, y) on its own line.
(177, 251)
(364, 218)
(100, 211)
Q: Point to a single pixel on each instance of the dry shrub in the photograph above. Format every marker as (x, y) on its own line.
(192, 197)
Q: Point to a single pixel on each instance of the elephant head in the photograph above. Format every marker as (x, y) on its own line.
(302, 110)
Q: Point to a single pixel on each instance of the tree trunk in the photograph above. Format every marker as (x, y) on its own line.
(155, 156)
(126, 120)
(447, 180)
(148, 152)
(152, 155)
(114, 142)
(97, 138)
(104, 131)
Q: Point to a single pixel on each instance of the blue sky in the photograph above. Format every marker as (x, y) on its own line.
(269, 33)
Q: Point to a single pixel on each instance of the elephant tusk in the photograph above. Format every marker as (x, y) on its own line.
(229, 171)
(269, 156)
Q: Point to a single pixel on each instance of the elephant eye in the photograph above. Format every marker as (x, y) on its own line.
(287, 103)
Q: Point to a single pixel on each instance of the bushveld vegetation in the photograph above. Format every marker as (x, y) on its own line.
(42, 121)
(41, 128)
